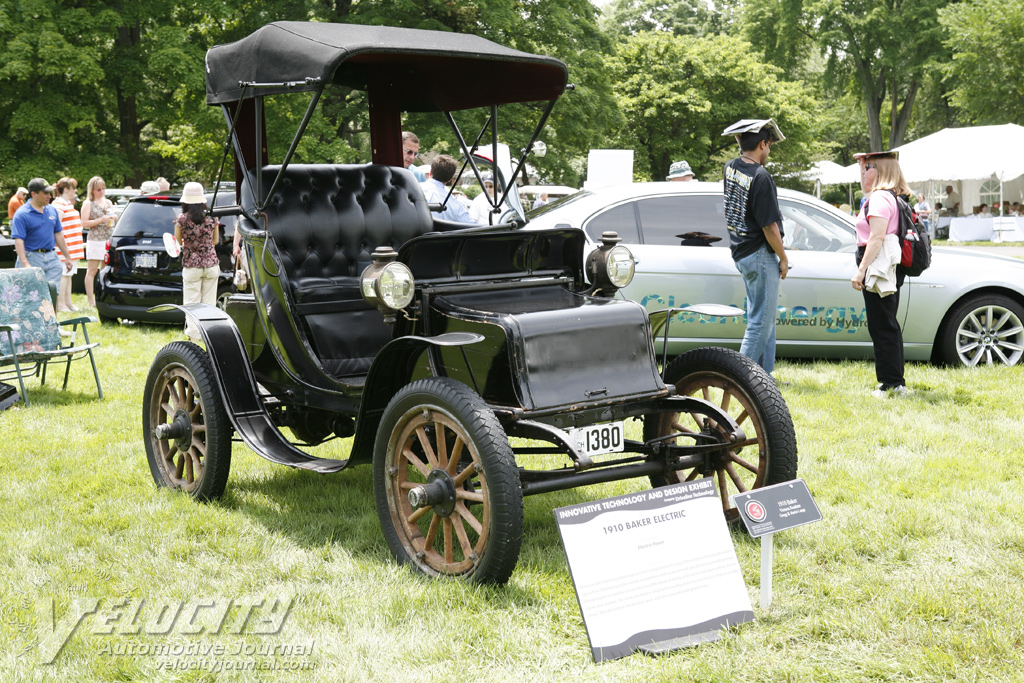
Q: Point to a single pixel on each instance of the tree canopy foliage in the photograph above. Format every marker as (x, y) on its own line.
(884, 48)
(678, 93)
(115, 88)
(986, 38)
(624, 18)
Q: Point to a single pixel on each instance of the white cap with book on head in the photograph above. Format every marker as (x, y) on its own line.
(755, 126)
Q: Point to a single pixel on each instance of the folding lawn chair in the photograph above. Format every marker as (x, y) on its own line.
(30, 334)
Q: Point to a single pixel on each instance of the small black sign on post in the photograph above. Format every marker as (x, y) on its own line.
(771, 509)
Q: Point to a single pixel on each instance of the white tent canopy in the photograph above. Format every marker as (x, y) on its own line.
(831, 173)
(977, 153)
(964, 158)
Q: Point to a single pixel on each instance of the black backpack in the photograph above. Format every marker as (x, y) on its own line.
(915, 243)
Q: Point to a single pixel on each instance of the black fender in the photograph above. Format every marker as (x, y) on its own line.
(239, 392)
(391, 370)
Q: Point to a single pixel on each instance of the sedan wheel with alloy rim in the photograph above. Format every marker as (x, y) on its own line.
(985, 330)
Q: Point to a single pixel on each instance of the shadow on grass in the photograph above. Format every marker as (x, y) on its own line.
(50, 394)
(315, 510)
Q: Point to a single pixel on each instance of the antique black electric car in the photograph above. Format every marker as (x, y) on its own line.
(428, 344)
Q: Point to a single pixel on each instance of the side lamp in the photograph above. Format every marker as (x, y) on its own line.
(611, 266)
(387, 284)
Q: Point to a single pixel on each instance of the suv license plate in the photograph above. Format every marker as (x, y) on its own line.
(598, 439)
(146, 259)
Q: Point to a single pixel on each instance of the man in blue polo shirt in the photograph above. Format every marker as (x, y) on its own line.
(35, 229)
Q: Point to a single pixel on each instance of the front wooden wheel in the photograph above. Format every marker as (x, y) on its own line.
(446, 485)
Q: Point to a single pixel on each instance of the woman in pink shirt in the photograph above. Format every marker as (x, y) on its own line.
(880, 178)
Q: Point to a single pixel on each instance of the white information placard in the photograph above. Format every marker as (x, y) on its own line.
(608, 167)
(654, 570)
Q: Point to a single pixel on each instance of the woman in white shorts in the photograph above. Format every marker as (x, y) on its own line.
(98, 218)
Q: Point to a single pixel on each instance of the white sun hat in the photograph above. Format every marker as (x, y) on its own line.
(193, 194)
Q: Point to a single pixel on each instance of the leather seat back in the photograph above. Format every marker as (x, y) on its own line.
(326, 221)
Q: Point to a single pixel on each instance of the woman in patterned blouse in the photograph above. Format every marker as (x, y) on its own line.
(198, 234)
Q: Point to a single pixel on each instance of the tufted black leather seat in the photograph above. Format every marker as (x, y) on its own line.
(326, 221)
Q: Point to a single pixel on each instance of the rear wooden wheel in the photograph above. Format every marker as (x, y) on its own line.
(185, 426)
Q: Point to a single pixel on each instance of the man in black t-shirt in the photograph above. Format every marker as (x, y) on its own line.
(755, 234)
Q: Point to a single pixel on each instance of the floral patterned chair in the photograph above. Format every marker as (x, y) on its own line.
(31, 337)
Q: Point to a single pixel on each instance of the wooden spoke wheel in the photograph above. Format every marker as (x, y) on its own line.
(750, 396)
(186, 429)
(446, 485)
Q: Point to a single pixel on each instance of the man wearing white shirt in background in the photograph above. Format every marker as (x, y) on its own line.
(952, 202)
(480, 209)
(442, 172)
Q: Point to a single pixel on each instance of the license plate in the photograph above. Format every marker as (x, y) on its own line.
(598, 439)
(146, 259)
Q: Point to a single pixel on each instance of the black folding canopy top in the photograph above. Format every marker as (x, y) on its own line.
(419, 70)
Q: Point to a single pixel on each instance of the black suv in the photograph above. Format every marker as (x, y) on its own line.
(139, 274)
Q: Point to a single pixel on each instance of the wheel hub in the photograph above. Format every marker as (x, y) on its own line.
(438, 493)
(717, 458)
(180, 428)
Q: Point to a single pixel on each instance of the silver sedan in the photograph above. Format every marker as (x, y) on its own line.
(967, 308)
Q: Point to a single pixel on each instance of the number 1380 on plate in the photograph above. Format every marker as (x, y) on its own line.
(598, 439)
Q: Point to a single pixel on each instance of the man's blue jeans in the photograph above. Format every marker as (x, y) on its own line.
(48, 261)
(760, 273)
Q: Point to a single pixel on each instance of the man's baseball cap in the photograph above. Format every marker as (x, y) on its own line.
(39, 185)
(678, 170)
(755, 126)
(22, 190)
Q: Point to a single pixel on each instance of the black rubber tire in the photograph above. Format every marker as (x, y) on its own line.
(732, 381)
(971, 317)
(106, 319)
(182, 377)
(484, 476)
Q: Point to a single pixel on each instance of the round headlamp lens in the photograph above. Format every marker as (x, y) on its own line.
(395, 286)
(620, 266)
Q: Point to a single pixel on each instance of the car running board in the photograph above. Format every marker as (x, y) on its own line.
(241, 396)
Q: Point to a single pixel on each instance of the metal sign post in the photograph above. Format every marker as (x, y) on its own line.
(767, 549)
(771, 509)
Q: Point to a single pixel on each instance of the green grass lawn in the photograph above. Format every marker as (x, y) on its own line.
(916, 572)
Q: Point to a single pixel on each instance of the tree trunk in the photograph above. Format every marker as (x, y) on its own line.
(128, 39)
(874, 95)
(901, 121)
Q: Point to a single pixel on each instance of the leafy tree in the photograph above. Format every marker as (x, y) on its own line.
(49, 87)
(986, 38)
(624, 18)
(882, 48)
(116, 88)
(678, 93)
(566, 29)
